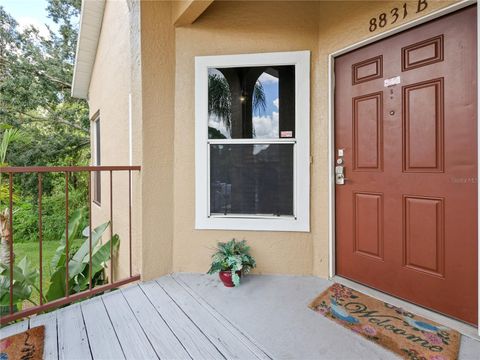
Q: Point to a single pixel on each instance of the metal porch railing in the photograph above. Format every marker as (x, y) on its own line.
(10, 172)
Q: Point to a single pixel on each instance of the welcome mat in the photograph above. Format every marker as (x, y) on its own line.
(27, 345)
(409, 335)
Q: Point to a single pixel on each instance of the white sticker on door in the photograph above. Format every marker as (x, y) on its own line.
(392, 81)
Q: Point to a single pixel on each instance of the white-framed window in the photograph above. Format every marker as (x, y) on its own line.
(252, 141)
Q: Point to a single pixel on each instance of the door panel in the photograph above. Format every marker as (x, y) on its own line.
(423, 126)
(368, 222)
(406, 218)
(423, 244)
(367, 132)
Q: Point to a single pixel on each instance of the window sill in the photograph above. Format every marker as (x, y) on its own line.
(284, 223)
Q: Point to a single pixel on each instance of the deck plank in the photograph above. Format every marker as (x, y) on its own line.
(164, 342)
(103, 340)
(222, 336)
(72, 337)
(50, 346)
(14, 329)
(238, 333)
(134, 342)
(192, 338)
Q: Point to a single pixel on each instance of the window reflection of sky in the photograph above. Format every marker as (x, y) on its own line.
(260, 147)
(265, 123)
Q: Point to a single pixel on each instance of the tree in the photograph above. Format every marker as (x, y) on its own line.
(35, 84)
(53, 128)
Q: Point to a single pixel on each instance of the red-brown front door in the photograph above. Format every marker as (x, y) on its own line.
(405, 117)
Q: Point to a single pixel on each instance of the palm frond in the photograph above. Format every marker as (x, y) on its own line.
(259, 98)
(8, 136)
(219, 99)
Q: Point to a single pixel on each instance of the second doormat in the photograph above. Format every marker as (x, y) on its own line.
(410, 336)
(26, 345)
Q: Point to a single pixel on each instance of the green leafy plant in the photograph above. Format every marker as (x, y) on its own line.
(24, 281)
(79, 260)
(232, 256)
(8, 136)
(25, 221)
(25, 277)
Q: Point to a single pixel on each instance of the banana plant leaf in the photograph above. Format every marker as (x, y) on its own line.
(57, 287)
(27, 274)
(74, 223)
(79, 278)
(81, 258)
(99, 261)
(23, 281)
(21, 291)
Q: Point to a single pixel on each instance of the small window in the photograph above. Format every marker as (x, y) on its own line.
(97, 175)
(252, 142)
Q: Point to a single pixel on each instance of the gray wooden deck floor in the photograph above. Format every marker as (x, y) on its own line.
(192, 316)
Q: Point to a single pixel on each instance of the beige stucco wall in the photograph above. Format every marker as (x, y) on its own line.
(109, 93)
(158, 68)
(232, 28)
(154, 61)
(249, 27)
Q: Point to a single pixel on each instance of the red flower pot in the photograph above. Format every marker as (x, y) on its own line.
(226, 277)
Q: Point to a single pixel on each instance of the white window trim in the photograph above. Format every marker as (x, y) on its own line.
(301, 221)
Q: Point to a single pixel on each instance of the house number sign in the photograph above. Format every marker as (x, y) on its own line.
(394, 14)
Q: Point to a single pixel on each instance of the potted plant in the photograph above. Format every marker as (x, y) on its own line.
(230, 260)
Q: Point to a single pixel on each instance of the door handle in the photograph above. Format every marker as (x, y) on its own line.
(340, 175)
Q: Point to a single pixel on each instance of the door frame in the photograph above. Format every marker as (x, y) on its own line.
(331, 124)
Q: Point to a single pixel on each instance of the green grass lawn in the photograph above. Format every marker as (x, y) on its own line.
(31, 251)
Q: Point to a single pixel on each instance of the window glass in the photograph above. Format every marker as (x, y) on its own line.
(251, 102)
(251, 179)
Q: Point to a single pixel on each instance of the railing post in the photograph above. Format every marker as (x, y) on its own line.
(130, 218)
(66, 234)
(10, 217)
(40, 234)
(111, 227)
(90, 230)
